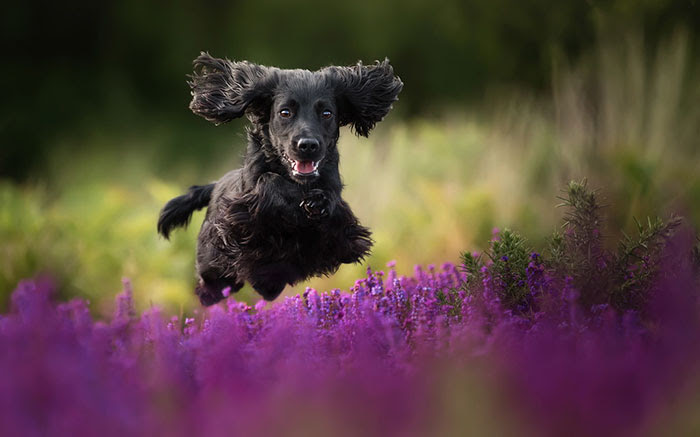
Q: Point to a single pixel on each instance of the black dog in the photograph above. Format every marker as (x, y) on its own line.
(280, 219)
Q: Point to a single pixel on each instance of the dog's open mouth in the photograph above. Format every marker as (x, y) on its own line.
(303, 168)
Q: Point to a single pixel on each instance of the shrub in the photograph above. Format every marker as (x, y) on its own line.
(622, 279)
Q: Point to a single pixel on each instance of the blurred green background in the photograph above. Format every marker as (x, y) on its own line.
(504, 102)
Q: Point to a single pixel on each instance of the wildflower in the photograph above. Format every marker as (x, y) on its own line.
(260, 305)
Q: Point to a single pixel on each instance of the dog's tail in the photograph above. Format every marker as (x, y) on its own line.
(179, 210)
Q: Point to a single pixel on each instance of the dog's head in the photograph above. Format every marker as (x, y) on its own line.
(299, 111)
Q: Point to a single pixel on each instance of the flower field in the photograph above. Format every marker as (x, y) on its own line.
(590, 326)
(577, 340)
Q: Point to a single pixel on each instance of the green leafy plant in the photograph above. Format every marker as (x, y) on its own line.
(576, 255)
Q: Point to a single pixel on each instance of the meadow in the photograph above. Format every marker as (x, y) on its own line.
(578, 340)
(624, 118)
(500, 298)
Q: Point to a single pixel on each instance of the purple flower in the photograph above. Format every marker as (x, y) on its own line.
(364, 362)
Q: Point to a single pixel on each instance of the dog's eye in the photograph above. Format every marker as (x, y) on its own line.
(285, 113)
(326, 114)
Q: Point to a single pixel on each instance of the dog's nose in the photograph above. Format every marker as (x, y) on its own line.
(307, 145)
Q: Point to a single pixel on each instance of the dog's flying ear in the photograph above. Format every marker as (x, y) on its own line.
(365, 93)
(223, 90)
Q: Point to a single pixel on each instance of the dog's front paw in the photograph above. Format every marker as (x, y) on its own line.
(315, 204)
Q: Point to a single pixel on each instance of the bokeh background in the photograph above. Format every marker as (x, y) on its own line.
(504, 102)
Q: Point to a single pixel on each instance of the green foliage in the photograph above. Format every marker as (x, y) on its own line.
(89, 238)
(638, 260)
(583, 217)
(579, 252)
(123, 68)
(509, 258)
(557, 249)
(428, 188)
(471, 263)
(451, 300)
(623, 279)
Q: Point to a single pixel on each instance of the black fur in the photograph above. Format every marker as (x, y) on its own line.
(178, 211)
(280, 218)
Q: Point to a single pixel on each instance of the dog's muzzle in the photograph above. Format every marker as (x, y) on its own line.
(303, 168)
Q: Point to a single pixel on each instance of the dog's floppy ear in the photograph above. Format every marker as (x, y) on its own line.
(223, 90)
(365, 93)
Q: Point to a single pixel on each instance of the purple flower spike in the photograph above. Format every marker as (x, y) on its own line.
(362, 363)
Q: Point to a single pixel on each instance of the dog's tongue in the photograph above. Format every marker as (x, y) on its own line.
(304, 167)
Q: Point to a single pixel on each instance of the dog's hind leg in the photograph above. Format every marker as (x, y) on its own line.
(215, 268)
(270, 280)
(269, 290)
